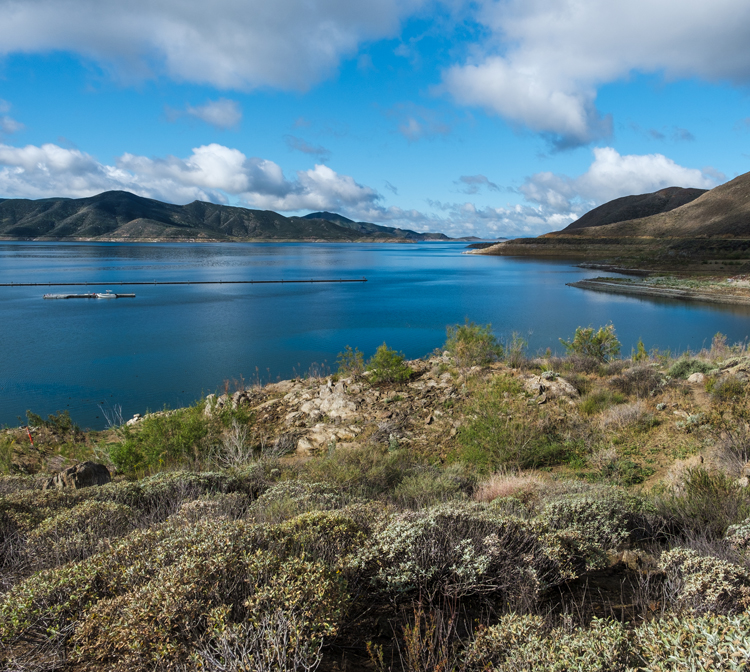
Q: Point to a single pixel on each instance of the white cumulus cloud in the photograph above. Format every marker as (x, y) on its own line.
(211, 173)
(612, 175)
(543, 61)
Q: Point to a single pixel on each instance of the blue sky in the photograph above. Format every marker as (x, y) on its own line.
(489, 118)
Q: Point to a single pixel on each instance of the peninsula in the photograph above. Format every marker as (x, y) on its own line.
(673, 229)
(686, 244)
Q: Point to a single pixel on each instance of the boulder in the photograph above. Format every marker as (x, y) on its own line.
(696, 378)
(83, 475)
(549, 389)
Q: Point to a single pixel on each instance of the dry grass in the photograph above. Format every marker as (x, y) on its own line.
(624, 415)
(523, 485)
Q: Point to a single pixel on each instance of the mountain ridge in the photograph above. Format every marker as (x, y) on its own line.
(122, 215)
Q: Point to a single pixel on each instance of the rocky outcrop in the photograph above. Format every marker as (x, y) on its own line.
(316, 415)
(549, 386)
(83, 475)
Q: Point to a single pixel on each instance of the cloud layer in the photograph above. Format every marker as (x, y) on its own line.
(222, 174)
(543, 61)
(242, 44)
(211, 173)
(555, 200)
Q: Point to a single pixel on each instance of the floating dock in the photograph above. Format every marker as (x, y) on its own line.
(94, 295)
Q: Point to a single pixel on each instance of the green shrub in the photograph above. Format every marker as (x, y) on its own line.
(640, 354)
(708, 642)
(150, 596)
(387, 366)
(706, 505)
(670, 644)
(461, 549)
(526, 644)
(74, 534)
(287, 499)
(431, 485)
(201, 596)
(602, 344)
(61, 423)
(350, 362)
(605, 519)
(686, 366)
(728, 388)
(599, 401)
(515, 351)
(164, 439)
(640, 381)
(704, 583)
(501, 429)
(472, 344)
(6, 454)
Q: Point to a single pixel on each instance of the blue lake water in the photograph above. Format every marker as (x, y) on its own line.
(172, 344)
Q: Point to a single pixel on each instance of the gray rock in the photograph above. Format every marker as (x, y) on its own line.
(83, 475)
(696, 378)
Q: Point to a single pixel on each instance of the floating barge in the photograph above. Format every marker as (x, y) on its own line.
(93, 295)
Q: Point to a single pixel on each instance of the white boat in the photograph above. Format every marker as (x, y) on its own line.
(107, 295)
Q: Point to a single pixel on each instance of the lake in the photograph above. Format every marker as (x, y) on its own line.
(172, 344)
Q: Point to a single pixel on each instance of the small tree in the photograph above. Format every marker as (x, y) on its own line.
(640, 354)
(388, 366)
(602, 344)
(472, 344)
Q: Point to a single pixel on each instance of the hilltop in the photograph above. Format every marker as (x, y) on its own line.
(714, 226)
(122, 216)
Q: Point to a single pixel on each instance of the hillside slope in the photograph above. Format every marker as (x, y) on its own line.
(723, 211)
(120, 215)
(374, 229)
(713, 226)
(635, 207)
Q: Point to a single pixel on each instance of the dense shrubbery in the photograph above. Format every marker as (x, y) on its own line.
(162, 440)
(457, 560)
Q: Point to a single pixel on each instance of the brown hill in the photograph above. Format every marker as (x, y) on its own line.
(721, 212)
(635, 207)
(714, 226)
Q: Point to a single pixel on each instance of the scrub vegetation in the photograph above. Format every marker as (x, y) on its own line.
(480, 509)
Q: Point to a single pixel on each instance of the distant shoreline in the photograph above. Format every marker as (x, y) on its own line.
(629, 287)
(366, 241)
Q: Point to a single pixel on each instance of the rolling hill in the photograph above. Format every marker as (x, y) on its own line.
(715, 225)
(635, 207)
(120, 215)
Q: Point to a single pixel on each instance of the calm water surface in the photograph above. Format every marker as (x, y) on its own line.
(171, 344)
